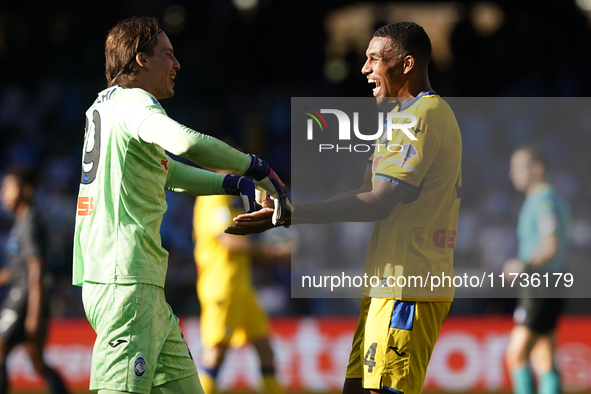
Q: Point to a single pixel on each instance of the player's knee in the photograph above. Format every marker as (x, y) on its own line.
(515, 358)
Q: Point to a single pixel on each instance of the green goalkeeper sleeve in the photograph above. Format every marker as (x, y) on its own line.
(201, 149)
(194, 181)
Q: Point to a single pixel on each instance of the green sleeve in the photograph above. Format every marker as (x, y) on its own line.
(201, 149)
(194, 181)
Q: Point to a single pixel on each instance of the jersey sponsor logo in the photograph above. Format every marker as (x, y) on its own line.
(85, 206)
(164, 164)
(443, 238)
(406, 166)
(376, 162)
(139, 367)
(396, 350)
(116, 343)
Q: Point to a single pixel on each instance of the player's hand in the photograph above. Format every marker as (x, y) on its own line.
(243, 187)
(266, 179)
(252, 223)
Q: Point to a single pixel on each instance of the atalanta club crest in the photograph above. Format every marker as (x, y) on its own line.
(139, 367)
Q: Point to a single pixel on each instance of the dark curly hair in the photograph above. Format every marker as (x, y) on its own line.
(408, 38)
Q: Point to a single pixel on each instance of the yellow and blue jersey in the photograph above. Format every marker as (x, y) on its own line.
(230, 313)
(220, 270)
(418, 237)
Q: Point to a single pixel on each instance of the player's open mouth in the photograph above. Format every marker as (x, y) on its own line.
(378, 86)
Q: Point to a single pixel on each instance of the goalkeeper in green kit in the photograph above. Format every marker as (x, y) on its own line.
(118, 257)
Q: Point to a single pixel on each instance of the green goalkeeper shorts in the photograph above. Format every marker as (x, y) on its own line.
(139, 343)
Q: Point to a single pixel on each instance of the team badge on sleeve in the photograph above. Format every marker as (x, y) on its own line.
(139, 367)
(408, 151)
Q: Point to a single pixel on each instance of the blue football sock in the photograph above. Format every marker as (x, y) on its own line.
(523, 381)
(549, 383)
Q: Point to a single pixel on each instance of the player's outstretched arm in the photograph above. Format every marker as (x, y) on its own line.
(261, 221)
(254, 223)
(364, 206)
(209, 152)
(369, 206)
(197, 182)
(201, 149)
(365, 187)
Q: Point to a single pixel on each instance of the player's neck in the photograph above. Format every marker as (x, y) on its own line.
(21, 209)
(141, 82)
(415, 87)
(534, 186)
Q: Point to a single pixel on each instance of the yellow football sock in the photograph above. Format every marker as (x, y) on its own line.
(270, 384)
(208, 383)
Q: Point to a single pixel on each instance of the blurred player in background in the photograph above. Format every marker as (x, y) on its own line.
(413, 196)
(230, 312)
(24, 313)
(542, 231)
(118, 257)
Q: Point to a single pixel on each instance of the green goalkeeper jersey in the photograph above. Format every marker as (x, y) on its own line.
(121, 199)
(125, 171)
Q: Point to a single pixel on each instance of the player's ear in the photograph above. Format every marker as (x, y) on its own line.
(141, 60)
(408, 63)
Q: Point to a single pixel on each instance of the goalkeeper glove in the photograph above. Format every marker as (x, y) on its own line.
(241, 186)
(266, 179)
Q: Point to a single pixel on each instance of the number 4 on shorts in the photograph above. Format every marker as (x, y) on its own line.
(370, 357)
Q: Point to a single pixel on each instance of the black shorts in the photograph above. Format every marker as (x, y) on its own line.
(13, 313)
(538, 314)
(12, 325)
